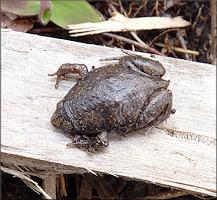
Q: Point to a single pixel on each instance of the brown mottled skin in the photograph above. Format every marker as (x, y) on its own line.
(122, 97)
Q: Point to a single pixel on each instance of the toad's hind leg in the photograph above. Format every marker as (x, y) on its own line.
(68, 68)
(157, 109)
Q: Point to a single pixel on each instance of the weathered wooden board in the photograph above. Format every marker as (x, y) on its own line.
(179, 153)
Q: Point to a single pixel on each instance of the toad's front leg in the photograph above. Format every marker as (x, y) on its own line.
(68, 68)
(90, 143)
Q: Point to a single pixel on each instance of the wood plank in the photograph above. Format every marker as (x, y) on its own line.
(179, 153)
(49, 185)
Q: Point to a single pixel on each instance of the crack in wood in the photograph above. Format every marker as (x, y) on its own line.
(190, 136)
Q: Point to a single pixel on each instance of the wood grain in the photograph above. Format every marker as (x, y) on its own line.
(179, 153)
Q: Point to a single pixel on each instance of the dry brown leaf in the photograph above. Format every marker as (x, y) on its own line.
(120, 23)
(7, 18)
(21, 25)
(13, 22)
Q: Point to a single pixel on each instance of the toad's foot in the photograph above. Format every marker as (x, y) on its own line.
(90, 143)
(68, 68)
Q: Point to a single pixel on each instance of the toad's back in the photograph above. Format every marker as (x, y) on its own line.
(108, 97)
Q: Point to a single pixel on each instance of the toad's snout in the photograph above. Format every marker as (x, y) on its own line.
(55, 120)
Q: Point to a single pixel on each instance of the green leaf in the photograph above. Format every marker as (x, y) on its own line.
(73, 12)
(61, 13)
(21, 7)
(45, 12)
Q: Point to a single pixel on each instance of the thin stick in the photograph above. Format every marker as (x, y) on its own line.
(138, 39)
(179, 49)
(183, 44)
(133, 33)
(140, 43)
(161, 34)
(197, 17)
(122, 8)
(121, 38)
(140, 7)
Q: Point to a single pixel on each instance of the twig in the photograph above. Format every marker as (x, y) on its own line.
(122, 8)
(156, 8)
(138, 39)
(198, 15)
(130, 8)
(213, 32)
(113, 2)
(140, 7)
(112, 7)
(121, 38)
(152, 11)
(133, 33)
(169, 46)
(149, 49)
(179, 49)
(161, 34)
(183, 44)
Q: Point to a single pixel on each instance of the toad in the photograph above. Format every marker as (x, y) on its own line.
(122, 97)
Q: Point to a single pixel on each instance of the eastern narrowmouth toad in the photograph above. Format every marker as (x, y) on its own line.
(122, 97)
